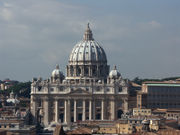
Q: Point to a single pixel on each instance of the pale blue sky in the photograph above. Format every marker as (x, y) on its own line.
(141, 37)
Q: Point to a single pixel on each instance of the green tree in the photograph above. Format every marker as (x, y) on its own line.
(21, 89)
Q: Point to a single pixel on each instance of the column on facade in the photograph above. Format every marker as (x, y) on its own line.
(125, 104)
(75, 111)
(90, 109)
(67, 115)
(94, 110)
(46, 111)
(68, 111)
(84, 111)
(112, 110)
(102, 109)
(65, 111)
(56, 110)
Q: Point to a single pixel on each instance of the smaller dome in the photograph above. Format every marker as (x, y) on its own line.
(13, 99)
(56, 72)
(114, 74)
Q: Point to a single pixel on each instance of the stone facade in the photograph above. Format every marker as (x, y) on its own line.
(88, 92)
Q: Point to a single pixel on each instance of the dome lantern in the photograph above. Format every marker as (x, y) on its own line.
(88, 34)
(57, 66)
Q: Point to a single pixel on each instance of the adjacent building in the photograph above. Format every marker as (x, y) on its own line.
(163, 95)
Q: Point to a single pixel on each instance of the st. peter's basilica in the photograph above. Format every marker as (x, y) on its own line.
(89, 91)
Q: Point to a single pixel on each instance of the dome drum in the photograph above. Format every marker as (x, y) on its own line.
(87, 71)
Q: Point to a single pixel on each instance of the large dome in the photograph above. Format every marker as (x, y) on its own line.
(88, 50)
(87, 60)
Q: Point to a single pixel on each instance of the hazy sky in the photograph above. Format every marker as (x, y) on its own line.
(141, 37)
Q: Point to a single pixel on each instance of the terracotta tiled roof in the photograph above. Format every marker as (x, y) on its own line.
(80, 131)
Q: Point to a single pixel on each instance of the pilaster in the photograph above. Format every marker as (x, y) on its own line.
(46, 111)
(112, 110)
(34, 107)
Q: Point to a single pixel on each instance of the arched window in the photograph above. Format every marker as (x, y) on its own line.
(78, 71)
(86, 70)
(71, 71)
(101, 72)
(94, 70)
